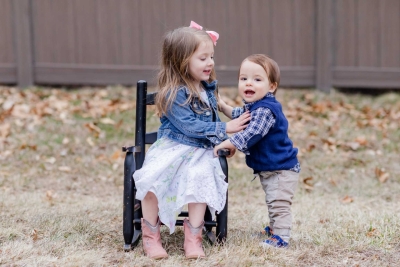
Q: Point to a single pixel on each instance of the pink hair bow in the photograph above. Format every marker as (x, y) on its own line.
(214, 35)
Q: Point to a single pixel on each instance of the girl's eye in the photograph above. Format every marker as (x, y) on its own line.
(212, 58)
(243, 79)
(257, 80)
(202, 59)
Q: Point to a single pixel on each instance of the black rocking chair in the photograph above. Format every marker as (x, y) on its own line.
(134, 159)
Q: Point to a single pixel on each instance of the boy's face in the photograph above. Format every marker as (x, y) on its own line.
(202, 62)
(253, 82)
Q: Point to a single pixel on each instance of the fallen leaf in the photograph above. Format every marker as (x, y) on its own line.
(93, 128)
(361, 140)
(381, 174)
(116, 155)
(51, 160)
(34, 235)
(64, 168)
(49, 195)
(90, 141)
(5, 130)
(372, 232)
(307, 184)
(107, 121)
(347, 200)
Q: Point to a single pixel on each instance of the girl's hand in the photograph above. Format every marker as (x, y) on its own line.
(225, 145)
(239, 123)
(224, 107)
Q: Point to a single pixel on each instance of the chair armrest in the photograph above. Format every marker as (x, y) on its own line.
(223, 152)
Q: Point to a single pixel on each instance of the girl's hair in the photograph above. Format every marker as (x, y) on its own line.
(269, 65)
(178, 47)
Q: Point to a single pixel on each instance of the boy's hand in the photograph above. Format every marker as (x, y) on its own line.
(239, 123)
(225, 145)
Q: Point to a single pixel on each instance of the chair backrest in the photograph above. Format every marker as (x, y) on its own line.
(141, 137)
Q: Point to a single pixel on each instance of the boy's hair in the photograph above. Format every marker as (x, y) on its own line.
(178, 47)
(269, 65)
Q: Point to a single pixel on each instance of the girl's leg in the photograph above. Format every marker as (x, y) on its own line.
(150, 208)
(193, 231)
(196, 213)
(151, 228)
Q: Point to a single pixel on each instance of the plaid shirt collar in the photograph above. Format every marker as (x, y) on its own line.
(249, 104)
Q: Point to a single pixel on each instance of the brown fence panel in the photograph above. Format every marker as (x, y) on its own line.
(366, 49)
(7, 59)
(317, 43)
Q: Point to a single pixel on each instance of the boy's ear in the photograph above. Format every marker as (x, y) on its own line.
(272, 87)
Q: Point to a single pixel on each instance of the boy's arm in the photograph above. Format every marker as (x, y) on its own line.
(261, 121)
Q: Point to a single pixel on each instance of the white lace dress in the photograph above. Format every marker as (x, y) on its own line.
(180, 174)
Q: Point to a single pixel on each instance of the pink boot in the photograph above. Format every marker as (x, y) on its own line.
(152, 240)
(193, 238)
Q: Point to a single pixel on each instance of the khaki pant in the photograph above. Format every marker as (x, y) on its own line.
(279, 187)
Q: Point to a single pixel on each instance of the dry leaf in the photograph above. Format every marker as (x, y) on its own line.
(90, 141)
(49, 195)
(381, 174)
(307, 184)
(93, 129)
(361, 140)
(107, 121)
(64, 168)
(5, 130)
(116, 155)
(51, 160)
(347, 200)
(34, 235)
(372, 232)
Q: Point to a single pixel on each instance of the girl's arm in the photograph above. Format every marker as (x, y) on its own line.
(225, 145)
(183, 118)
(225, 108)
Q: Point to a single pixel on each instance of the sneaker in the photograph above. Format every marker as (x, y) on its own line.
(267, 231)
(274, 241)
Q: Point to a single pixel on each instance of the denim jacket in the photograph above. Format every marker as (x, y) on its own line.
(183, 125)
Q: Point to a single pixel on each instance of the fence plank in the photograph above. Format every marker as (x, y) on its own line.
(23, 42)
(323, 51)
(7, 60)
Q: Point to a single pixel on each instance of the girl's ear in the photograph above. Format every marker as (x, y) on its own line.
(272, 87)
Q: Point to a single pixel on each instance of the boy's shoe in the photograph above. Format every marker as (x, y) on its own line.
(267, 231)
(274, 241)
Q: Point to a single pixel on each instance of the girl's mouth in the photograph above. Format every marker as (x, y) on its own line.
(207, 71)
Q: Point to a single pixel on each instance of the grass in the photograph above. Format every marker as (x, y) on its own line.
(61, 182)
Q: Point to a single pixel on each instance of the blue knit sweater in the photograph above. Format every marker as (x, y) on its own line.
(275, 150)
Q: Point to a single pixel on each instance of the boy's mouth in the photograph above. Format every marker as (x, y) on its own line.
(248, 92)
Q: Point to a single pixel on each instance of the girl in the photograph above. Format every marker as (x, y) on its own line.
(269, 151)
(179, 167)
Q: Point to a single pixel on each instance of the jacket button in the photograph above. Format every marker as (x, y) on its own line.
(205, 146)
(221, 134)
(207, 113)
(195, 105)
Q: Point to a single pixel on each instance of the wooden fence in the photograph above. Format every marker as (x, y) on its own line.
(317, 43)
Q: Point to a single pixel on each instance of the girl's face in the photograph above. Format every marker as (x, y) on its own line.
(202, 62)
(253, 82)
